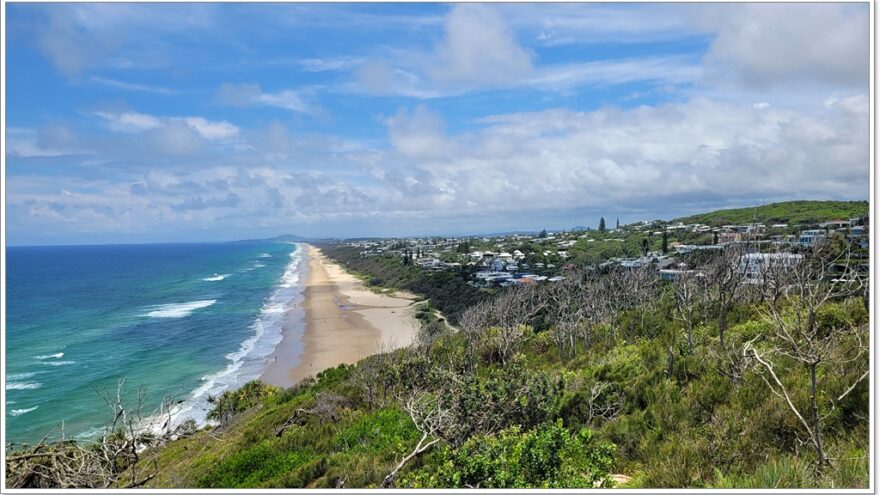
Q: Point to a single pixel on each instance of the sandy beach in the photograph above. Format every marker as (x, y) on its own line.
(344, 323)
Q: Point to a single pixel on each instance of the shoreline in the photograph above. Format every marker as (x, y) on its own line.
(344, 322)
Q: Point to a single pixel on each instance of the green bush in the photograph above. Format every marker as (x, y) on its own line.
(232, 402)
(550, 456)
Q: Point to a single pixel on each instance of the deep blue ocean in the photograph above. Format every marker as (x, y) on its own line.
(181, 320)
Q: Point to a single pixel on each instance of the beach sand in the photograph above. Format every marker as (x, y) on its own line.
(344, 323)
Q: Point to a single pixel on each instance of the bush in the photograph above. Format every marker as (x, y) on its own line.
(235, 401)
(550, 456)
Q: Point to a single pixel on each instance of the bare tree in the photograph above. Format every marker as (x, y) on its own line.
(689, 288)
(725, 275)
(603, 402)
(798, 334)
(114, 457)
(431, 418)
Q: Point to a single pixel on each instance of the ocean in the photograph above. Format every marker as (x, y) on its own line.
(185, 321)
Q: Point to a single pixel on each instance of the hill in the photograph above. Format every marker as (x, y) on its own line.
(794, 212)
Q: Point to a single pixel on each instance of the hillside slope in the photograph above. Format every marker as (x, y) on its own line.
(795, 212)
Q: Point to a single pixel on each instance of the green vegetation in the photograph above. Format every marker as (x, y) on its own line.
(795, 212)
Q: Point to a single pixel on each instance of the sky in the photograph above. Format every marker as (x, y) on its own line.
(130, 123)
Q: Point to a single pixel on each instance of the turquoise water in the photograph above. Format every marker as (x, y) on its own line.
(180, 320)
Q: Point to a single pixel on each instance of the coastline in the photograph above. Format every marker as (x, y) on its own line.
(344, 322)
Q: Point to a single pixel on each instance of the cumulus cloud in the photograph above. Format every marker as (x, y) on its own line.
(419, 134)
(691, 154)
(767, 44)
(699, 149)
(478, 47)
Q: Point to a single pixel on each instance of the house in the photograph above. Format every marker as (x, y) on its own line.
(728, 237)
(809, 237)
(835, 224)
(754, 264)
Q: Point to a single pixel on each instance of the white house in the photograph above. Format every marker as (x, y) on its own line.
(754, 264)
(810, 237)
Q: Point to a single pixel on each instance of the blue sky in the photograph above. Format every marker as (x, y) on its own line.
(195, 122)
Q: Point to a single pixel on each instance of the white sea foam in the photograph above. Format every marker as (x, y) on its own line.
(265, 255)
(257, 264)
(19, 412)
(216, 278)
(23, 385)
(51, 356)
(56, 363)
(20, 376)
(179, 310)
(248, 362)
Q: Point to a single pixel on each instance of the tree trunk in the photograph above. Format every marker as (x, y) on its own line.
(690, 336)
(722, 324)
(817, 427)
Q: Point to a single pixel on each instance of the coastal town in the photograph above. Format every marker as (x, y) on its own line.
(503, 260)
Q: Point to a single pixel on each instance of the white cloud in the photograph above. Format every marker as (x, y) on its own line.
(251, 94)
(555, 24)
(134, 122)
(791, 43)
(668, 70)
(212, 130)
(79, 37)
(127, 86)
(693, 154)
(419, 134)
(28, 143)
(287, 99)
(699, 150)
(455, 67)
(130, 121)
(478, 48)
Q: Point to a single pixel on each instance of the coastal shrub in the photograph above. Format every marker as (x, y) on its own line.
(550, 456)
(231, 402)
